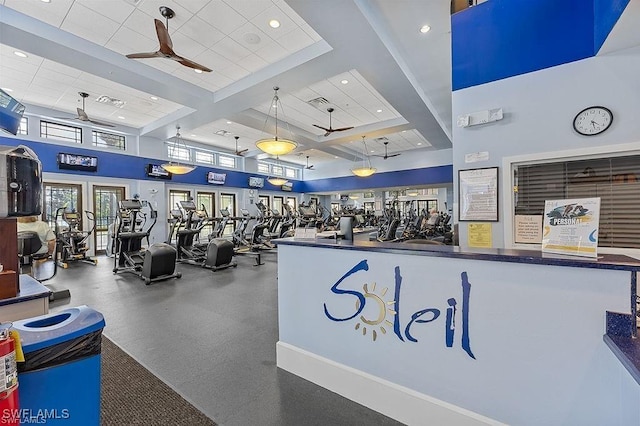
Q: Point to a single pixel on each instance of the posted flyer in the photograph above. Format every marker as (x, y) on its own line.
(571, 226)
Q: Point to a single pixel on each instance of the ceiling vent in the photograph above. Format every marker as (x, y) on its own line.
(381, 139)
(319, 102)
(111, 101)
(222, 133)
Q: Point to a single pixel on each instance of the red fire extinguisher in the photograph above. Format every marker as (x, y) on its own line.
(9, 406)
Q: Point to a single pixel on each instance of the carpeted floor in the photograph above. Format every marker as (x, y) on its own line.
(132, 395)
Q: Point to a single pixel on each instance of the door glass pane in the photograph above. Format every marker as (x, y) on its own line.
(277, 204)
(175, 197)
(105, 209)
(206, 201)
(59, 195)
(228, 201)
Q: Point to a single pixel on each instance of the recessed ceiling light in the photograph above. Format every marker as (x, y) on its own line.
(379, 110)
(193, 135)
(425, 29)
(274, 23)
(154, 98)
(419, 143)
(6, 89)
(45, 1)
(121, 117)
(335, 156)
(345, 82)
(228, 122)
(404, 131)
(372, 150)
(20, 54)
(197, 71)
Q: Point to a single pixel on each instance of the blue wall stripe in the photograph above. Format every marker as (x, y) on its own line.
(116, 165)
(426, 176)
(504, 38)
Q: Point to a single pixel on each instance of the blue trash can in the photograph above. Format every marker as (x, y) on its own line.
(59, 382)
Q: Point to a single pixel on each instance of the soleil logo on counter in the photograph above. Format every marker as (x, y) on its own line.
(389, 311)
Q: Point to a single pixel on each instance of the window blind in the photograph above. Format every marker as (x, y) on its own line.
(614, 180)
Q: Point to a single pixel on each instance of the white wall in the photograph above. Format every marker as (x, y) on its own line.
(539, 109)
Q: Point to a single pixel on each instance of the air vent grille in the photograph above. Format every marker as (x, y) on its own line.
(111, 101)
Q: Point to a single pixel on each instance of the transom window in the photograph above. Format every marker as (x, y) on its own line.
(263, 168)
(108, 140)
(24, 126)
(225, 161)
(60, 132)
(178, 153)
(205, 157)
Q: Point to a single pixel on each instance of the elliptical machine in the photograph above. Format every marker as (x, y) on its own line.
(216, 254)
(72, 243)
(156, 263)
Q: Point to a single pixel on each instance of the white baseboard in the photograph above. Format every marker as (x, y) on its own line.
(392, 400)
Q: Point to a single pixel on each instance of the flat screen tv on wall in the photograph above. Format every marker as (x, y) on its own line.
(10, 113)
(156, 171)
(216, 178)
(86, 163)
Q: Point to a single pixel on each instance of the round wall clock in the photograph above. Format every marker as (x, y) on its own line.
(593, 120)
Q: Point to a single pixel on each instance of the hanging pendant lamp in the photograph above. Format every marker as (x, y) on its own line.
(276, 145)
(365, 169)
(176, 167)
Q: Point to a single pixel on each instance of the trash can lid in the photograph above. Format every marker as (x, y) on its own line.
(48, 330)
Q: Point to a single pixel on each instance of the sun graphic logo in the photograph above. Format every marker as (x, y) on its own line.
(376, 315)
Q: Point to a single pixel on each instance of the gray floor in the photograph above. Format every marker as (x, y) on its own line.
(211, 336)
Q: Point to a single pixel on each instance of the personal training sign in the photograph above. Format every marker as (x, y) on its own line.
(571, 226)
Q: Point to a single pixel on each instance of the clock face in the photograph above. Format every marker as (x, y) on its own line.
(593, 120)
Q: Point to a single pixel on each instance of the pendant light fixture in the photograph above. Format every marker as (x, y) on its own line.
(176, 167)
(365, 169)
(276, 145)
(277, 180)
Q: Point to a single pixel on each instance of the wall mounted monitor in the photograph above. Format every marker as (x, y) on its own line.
(10, 113)
(156, 171)
(256, 182)
(86, 163)
(216, 178)
(288, 187)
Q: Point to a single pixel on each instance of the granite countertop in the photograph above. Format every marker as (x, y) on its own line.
(605, 261)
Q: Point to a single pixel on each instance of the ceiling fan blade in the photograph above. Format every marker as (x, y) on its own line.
(323, 128)
(100, 123)
(189, 63)
(241, 152)
(343, 129)
(392, 155)
(82, 115)
(166, 45)
(144, 55)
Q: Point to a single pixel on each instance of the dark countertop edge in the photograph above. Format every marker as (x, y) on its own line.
(30, 289)
(627, 350)
(606, 261)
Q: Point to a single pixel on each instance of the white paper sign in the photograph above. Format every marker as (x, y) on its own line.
(571, 226)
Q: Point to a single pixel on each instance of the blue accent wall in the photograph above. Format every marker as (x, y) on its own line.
(426, 176)
(117, 165)
(504, 38)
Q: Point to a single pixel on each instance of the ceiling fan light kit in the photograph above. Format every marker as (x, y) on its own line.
(276, 145)
(176, 167)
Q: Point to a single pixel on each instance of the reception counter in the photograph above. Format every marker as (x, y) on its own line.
(435, 335)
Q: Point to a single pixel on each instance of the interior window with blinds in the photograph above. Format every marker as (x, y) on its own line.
(615, 180)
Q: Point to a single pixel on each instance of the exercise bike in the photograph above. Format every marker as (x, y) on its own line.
(72, 242)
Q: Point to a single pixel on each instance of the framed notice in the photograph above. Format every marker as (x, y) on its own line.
(571, 226)
(478, 195)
